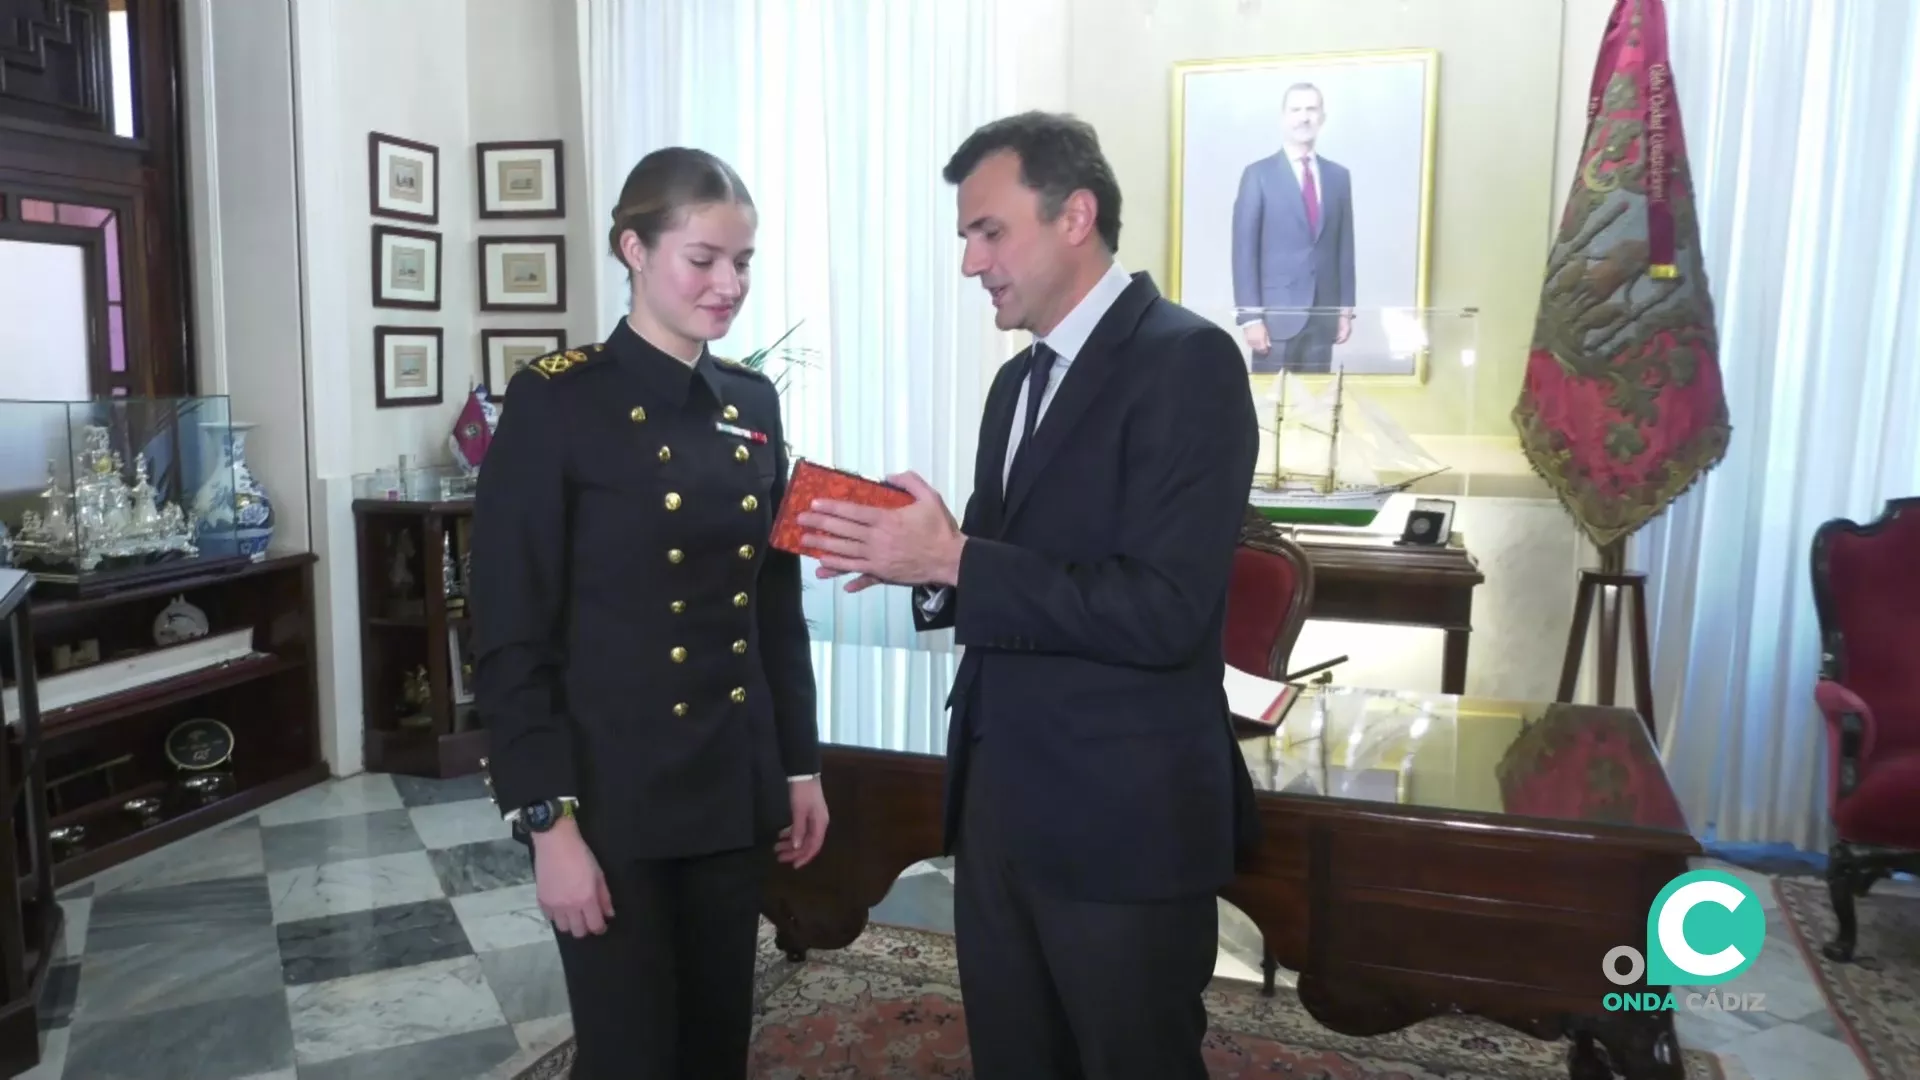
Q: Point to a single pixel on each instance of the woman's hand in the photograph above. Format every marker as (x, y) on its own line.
(801, 841)
(567, 880)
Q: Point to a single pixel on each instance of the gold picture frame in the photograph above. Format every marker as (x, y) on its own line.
(1393, 125)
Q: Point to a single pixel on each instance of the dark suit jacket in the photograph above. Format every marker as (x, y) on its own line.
(1277, 259)
(1092, 604)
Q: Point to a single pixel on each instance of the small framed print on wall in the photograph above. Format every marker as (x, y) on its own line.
(523, 273)
(403, 179)
(407, 365)
(522, 180)
(505, 352)
(406, 268)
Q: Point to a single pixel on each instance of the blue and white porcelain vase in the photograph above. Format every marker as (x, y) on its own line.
(231, 498)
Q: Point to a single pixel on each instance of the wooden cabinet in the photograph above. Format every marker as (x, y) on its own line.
(415, 651)
(113, 699)
(30, 918)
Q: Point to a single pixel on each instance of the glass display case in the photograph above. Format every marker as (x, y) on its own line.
(1360, 407)
(99, 495)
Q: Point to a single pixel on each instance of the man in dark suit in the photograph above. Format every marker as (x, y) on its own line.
(1094, 785)
(1293, 246)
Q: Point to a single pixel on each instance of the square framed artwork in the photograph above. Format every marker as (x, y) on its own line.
(504, 352)
(408, 367)
(523, 273)
(522, 179)
(403, 179)
(406, 268)
(1302, 204)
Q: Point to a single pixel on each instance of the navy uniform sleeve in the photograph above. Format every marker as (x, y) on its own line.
(784, 641)
(519, 599)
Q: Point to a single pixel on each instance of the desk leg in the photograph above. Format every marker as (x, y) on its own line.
(1453, 662)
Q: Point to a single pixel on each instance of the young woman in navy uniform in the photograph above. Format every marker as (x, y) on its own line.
(642, 659)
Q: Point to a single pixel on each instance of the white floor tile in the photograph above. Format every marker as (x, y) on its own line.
(1791, 1052)
(470, 821)
(309, 892)
(361, 794)
(390, 1008)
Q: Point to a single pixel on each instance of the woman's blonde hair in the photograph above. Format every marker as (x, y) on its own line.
(664, 186)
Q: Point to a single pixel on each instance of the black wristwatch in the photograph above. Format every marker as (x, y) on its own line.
(543, 815)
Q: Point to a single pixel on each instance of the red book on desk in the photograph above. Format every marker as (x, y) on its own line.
(810, 482)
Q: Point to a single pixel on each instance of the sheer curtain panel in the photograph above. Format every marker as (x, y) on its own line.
(1803, 125)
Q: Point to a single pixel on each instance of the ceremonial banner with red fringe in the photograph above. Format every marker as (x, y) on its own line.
(1623, 409)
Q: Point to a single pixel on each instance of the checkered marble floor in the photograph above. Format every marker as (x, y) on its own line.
(384, 928)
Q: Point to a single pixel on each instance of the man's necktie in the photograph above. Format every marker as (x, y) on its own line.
(1310, 191)
(1039, 370)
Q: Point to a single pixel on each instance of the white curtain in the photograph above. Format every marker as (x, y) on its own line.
(1802, 120)
(839, 116)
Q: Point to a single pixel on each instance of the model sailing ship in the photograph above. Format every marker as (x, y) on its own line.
(1328, 472)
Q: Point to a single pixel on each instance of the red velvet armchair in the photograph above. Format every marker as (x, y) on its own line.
(1267, 602)
(1866, 591)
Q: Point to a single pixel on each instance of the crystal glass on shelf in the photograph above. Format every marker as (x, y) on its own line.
(98, 494)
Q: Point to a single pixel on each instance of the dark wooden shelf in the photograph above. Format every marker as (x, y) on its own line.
(425, 753)
(392, 646)
(97, 857)
(406, 508)
(96, 755)
(31, 919)
(87, 715)
(46, 610)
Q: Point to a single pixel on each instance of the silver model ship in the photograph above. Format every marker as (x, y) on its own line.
(105, 518)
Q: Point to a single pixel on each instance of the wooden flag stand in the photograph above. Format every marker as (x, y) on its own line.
(1610, 585)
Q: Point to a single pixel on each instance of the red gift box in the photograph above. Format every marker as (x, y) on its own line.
(810, 482)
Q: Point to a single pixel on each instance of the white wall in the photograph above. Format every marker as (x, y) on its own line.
(511, 97)
(283, 94)
(243, 210)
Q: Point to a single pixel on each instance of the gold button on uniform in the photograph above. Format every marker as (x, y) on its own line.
(679, 654)
(666, 453)
(680, 709)
(749, 503)
(746, 551)
(740, 647)
(678, 606)
(638, 415)
(673, 500)
(729, 413)
(739, 694)
(740, 454)
(674, 555)
(739, 599)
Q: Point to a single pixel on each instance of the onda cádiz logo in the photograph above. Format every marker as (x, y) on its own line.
(1705, 928)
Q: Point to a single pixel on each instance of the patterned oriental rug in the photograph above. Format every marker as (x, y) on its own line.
(888, 1007)
(1877, 997)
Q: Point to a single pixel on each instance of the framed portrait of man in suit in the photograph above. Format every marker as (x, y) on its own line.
(1302, 195)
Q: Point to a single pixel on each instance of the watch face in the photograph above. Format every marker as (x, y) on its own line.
(539, 816)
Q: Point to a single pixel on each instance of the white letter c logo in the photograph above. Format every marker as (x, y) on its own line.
(1672, 923)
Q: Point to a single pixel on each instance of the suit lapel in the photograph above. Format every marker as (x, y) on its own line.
(990, 467)
(1079, 388)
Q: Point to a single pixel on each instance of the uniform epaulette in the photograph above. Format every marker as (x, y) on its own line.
(735, 365)
(556, 363)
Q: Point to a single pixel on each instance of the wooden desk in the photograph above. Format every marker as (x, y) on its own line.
(1491, 878)
(1374, 581)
